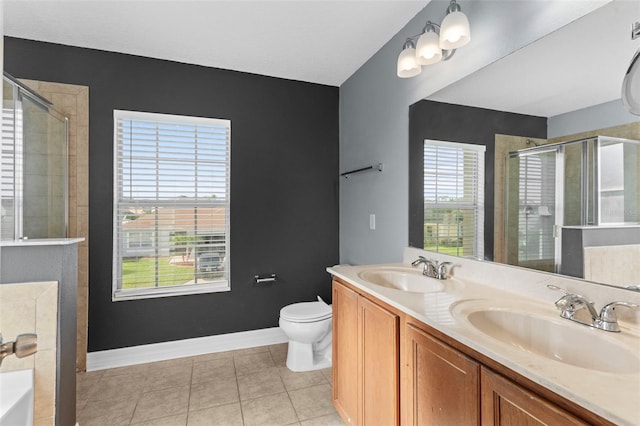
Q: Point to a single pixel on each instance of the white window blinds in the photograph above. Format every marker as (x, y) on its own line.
(171, 204)
(454, 198)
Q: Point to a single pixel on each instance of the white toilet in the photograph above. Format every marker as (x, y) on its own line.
(308, 327)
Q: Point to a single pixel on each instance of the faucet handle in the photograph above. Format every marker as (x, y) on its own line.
(442, 269)
(609, 317)
(419, 260)
(25, 345)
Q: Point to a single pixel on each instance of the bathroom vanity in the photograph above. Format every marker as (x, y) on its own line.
(464, 351)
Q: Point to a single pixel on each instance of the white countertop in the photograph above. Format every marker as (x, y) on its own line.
(41, 242)
(613, 396)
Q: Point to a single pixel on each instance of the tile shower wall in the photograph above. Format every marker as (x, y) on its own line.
(73, 101)
(617, 265)
(33, 308)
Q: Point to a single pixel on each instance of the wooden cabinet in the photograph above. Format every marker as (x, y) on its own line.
(505, 403)
(442, 384)
(345, 357)
(365, 359)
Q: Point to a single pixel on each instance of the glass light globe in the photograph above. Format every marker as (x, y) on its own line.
(408, 66)
(454, 31)
(631, 86)
(428, 49)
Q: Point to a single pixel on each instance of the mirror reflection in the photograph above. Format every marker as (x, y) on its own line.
(561, 170)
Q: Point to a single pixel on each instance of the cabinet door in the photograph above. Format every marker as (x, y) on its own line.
(379, 365)
(506, 403)
(345, 354)
(442, 384)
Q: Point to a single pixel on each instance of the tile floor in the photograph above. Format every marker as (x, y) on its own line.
(244, 387)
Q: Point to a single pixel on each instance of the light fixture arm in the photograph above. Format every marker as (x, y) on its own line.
(453, 7)
(429, 27)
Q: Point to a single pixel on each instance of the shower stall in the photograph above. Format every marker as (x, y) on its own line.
(587, 182)
(33, 165)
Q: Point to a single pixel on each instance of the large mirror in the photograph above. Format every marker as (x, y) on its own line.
(533, 160)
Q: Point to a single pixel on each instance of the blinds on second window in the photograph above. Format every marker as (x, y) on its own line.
(454, 198)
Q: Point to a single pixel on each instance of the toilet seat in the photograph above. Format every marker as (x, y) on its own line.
(306, 312)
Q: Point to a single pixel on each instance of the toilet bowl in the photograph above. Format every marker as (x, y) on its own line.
(308, 327)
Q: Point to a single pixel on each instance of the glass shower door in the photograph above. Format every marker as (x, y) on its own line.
(533, 209)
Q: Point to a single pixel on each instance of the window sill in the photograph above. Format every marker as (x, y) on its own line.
(152, 293)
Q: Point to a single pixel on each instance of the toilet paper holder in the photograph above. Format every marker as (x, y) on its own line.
(266, 278)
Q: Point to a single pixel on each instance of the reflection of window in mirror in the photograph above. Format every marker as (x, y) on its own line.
(454, 198)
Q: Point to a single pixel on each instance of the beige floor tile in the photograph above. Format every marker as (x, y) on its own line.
(128, 370)
(272, 410)
(213, 393)
(213, 370)
(211, 356)
(262, 383)
(110, 387)
(107, 412)
(177, 420)
(251, 363)
(328, 420)
(327, 372)
(85, 383)
(247, 351)
(168, 377)
(223, 415)
(305, 379)
(177, 362)
(161, 403)
(312, 402)
(279, 354)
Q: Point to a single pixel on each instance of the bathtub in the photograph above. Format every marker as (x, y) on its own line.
(16, 398)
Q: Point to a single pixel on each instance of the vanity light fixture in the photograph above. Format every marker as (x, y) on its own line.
(436, 42)
(631, 82)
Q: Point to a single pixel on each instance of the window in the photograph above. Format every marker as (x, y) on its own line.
(454, 198)
(171, 205)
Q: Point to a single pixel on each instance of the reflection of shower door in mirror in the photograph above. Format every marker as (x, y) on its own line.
(532, 210)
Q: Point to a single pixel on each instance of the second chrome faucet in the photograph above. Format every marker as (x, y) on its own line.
(577, 308)
(432, 268)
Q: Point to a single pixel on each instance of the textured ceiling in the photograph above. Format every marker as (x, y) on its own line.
(316, 41)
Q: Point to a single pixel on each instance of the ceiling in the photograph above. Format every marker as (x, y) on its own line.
(315, 41)
(580, 65)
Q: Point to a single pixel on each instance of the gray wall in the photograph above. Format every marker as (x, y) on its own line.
(374, 114)
(601, 116)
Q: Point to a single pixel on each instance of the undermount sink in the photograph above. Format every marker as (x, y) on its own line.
(548, 336)
(404, 279)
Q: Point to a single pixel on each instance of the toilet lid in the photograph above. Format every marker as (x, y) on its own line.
(306, 311)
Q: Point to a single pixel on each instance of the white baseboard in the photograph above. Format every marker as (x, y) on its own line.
(182, 348)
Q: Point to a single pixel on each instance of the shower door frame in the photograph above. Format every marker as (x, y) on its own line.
(20, 92)
(558, 194)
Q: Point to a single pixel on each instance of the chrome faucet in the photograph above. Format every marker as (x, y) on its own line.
(432, 268)
(577, 308)
(24, 345)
